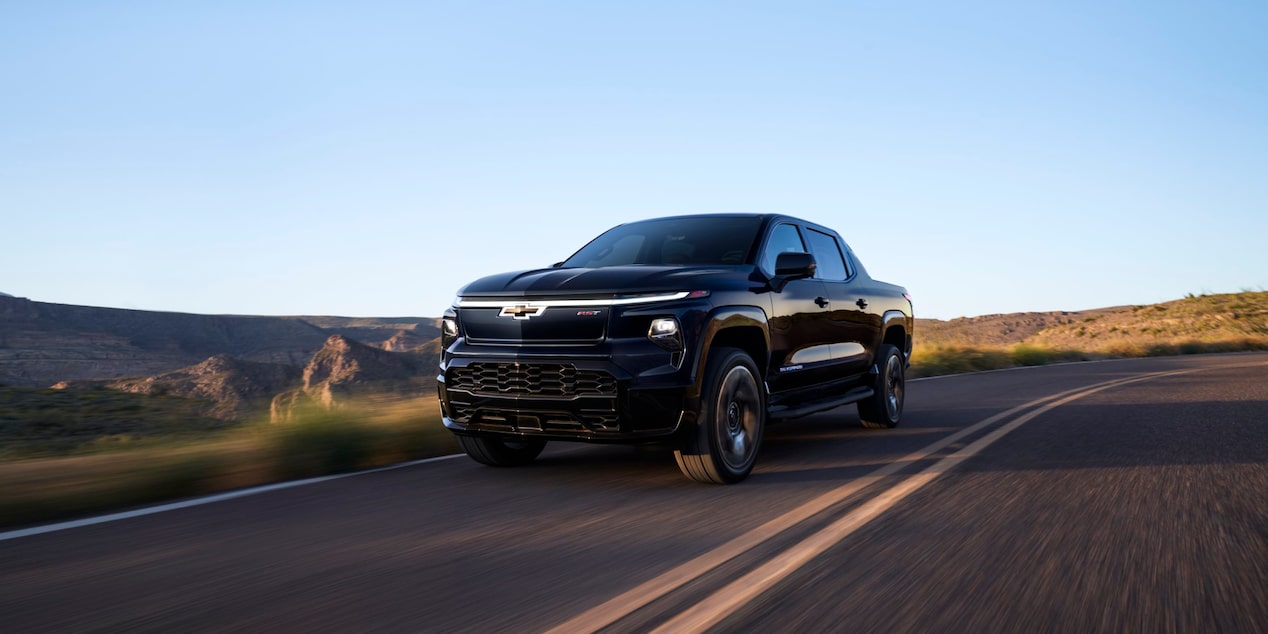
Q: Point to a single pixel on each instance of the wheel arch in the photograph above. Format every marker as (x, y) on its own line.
(742, 327)
(896, 331)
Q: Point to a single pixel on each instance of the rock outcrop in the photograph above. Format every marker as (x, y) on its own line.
(404, 341)
(234, 388)
(345, 368)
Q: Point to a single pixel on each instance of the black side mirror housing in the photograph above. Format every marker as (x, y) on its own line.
(795, 265)
(792, 265)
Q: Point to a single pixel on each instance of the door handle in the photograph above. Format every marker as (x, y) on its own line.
(822, 302)
(862, 303)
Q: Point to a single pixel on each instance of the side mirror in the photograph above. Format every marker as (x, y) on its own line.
(792, 265)
(795, 265)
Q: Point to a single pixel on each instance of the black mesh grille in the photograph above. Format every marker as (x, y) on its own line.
(531, 379)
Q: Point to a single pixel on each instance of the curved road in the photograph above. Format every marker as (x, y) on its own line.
(1113, 496)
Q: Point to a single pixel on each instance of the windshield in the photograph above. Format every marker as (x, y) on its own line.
(671, 241)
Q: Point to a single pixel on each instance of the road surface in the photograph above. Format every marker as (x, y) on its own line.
(1113, 496)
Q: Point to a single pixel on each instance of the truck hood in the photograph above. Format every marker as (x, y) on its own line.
(600, 282)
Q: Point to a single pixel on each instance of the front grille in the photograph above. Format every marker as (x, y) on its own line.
(559, 380)
(553, 324)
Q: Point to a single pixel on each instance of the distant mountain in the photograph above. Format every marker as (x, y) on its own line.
(390, 333)
(43, 343)
(235, 367)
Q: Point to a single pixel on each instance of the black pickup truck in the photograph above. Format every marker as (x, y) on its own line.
(691, 330)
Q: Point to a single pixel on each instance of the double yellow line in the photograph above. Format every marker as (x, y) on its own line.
(727, 600)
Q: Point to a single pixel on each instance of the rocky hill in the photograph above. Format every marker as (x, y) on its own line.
(233, 389)
(43, 343)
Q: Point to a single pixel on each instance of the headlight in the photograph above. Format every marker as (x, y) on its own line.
(666, 333)
(666, 327)
(448, 331)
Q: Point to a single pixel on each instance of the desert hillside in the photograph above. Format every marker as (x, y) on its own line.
(43, 343)
(1202, 323)
(1201, 318)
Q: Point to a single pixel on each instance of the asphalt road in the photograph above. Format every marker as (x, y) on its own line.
(1113, 496)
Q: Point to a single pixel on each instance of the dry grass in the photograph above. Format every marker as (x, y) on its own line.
(366, 435)
(1197, 324)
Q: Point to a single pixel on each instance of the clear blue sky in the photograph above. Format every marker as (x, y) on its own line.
(368, 158)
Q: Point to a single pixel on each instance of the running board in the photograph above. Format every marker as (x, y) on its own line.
(786, 412)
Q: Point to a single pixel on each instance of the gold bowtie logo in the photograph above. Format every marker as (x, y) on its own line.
(521, 311)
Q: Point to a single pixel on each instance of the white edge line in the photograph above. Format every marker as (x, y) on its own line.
(208, 499)
(221, 497)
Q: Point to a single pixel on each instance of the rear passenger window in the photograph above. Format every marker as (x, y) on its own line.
(827, 255)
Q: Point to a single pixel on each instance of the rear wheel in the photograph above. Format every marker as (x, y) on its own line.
(884, 408)
(501, 453)
(728, 431)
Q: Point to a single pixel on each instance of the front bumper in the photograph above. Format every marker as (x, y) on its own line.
(593, 397)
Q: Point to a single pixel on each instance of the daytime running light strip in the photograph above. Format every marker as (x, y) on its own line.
(499, 303)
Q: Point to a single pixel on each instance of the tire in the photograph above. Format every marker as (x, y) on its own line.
(497, 452)
(884, 408)
(722, 447)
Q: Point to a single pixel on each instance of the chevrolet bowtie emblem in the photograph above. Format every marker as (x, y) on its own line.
(521, 311)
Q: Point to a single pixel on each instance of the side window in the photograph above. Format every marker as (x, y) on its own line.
(783, 238)
(827, 255)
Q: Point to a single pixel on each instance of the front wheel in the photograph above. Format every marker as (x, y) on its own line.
(497, 452)
(884, 408)
(728, 431)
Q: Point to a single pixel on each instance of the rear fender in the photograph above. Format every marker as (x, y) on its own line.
(897, 318)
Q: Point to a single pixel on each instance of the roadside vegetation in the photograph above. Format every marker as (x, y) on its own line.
(67, 453)
(100, 476)
(44, 423)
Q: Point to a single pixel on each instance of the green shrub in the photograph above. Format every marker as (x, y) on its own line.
(958, 360)
(1192, 347)
(321, 442)
(1031, 355)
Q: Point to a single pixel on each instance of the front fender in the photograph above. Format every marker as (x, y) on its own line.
(720, 320)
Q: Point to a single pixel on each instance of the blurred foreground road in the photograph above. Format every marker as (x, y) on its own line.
(1142, 506)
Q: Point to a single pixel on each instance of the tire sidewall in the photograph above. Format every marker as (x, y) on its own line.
(709, 425)
(885, 384)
